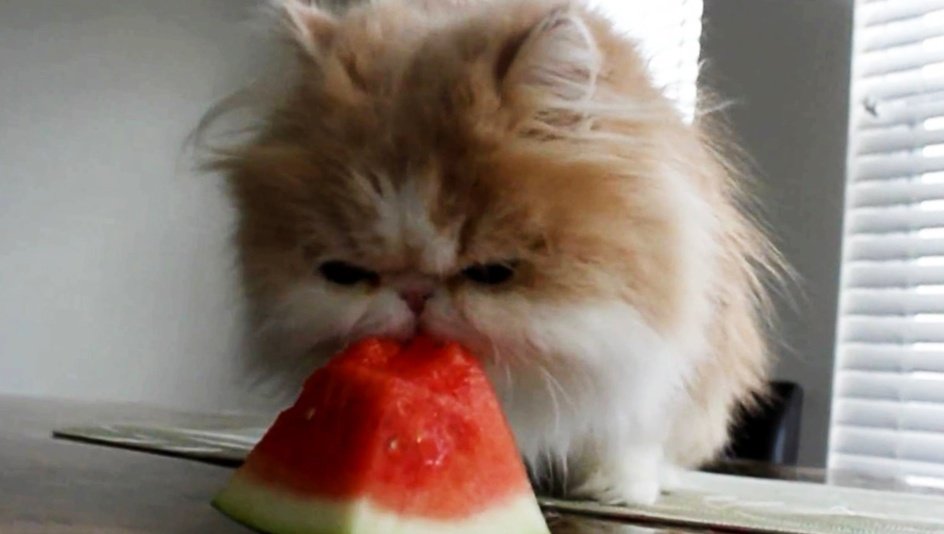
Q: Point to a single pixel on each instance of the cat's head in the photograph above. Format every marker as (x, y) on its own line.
(508, 178)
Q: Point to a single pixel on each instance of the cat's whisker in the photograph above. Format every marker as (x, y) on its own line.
(552, 393)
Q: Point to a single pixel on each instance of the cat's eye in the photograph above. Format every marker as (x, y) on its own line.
(345, 274)
(491, 274)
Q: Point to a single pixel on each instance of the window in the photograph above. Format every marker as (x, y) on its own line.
(669, 32)
(888, 410)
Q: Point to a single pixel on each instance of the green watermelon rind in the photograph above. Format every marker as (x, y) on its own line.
(270, 510)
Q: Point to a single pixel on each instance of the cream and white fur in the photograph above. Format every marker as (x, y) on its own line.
(417, 138)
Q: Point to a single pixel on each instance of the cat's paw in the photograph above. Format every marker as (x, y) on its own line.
(599, 488)
(671, 477)
(640, 475)
(640, 491)
(636, 488)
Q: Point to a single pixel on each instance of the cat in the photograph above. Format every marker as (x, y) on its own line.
(504, 173)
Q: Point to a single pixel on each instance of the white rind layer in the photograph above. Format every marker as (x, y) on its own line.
(278, 512)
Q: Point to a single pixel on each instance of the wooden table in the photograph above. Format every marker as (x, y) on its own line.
(53, 486)
(57, 487)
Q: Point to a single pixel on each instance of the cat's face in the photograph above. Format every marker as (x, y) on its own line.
(475, 248)
(463, 180)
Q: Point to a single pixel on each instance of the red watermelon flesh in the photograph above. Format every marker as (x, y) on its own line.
(388, 438)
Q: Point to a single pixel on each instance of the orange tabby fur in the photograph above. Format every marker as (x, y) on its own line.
(417, 138)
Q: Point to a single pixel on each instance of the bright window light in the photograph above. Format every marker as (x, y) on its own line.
(669, 33)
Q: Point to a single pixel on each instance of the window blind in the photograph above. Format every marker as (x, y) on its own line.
(669, 34)
(888, 408)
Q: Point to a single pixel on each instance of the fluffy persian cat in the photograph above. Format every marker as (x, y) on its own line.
(504, 173)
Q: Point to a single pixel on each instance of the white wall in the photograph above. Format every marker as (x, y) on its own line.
(115, 279)
(785, 65)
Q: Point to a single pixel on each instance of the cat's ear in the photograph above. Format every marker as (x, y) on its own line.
(310, 26)
(557, 61)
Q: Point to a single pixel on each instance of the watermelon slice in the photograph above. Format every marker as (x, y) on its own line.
(388, 438)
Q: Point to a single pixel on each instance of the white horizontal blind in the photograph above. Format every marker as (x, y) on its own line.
(888, 411)
(669, 32)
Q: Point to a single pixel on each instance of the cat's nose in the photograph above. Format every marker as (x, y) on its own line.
(415, 299)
